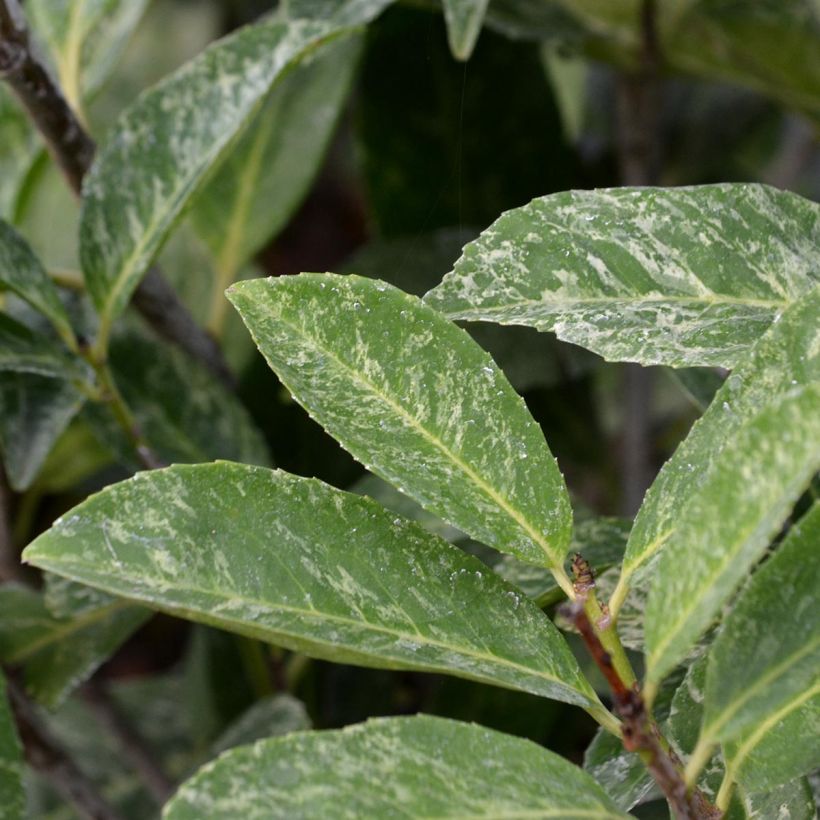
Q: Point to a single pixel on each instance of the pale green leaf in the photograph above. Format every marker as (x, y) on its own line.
(12, 798)
(675, 276)
(791, 801)
(26, 351)
(59, 653)
(786, 356)
(164, 145)
(34, 412)
(782, 747)
(297, 563)
(267, 174)
(729, 522)
(22, 274)
(464, 19)
(416, 767)
(417, 401)
(767, 653)
(84, 39)
(269, 717)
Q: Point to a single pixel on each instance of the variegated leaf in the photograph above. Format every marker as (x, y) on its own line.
(295, 562)
(675, 276)
(416, 767)
(729, 522)
(418, 402)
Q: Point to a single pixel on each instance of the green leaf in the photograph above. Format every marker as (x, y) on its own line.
(25, 351)
(13, 803)
(347, 581)
(786, 356)
(34, 413)
(265, 178)
(185, 413)
(59, 653)
(22, 274)
(729, 522)
(20, 148)
(655, 276)
(417, 401)
(767, 654)
(413, 767)
(464, 19)
(84, 39)
(269, 717)
(164, 145)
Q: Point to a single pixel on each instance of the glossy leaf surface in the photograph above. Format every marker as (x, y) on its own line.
(788, 355)
(297, 563)
(675, 276)
(767, 654)
(729, 522)
(164, 145)
(411, 396)
(410, 767)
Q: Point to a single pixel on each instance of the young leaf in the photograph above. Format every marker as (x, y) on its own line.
(655, 276)
(417, 401)
(25, 351)
(415, 767)
(300, 564)
(464, 19)
(164, 145)
(263, 181)
(786, 356)
(22, 274)
(729, 522)
(59, 653)
(13, 803)
(84, 39)
(34, 413)
(767, 654)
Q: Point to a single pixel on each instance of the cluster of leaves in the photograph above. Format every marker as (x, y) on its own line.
(713, 276)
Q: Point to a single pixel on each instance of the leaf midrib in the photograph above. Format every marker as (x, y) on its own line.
(414, 637)
(710, 730)
(516, 515)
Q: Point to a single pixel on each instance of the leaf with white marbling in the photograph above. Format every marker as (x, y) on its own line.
(767, 654)
(300, 564)
(59, 653)
(417, 401)
(12, 797)
(22, 273)
(729, 522)
(268, 173)
(415, 767)
(675, 276)
(162, 148)
(788, 355)
(26, 351)
(464, 19)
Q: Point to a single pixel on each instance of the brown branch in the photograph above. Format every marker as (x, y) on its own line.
(73, 150)
(133, 746)
(640, 733)
(44, 753)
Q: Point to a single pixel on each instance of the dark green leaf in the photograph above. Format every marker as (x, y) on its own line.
(12, 798)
